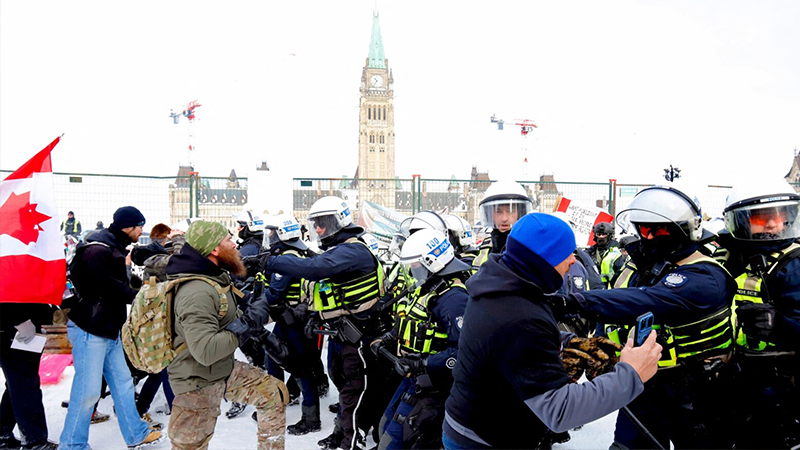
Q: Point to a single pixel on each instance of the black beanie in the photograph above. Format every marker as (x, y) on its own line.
(125, 217)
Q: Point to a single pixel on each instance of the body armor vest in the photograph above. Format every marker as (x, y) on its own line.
(704, 338)
(334, 299)
(417, 332)
(751, 288)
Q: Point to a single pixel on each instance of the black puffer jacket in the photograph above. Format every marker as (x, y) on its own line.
(101, 278)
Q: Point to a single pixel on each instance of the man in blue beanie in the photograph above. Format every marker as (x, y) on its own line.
(510, 383)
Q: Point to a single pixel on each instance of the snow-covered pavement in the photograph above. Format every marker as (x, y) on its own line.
(240, 433)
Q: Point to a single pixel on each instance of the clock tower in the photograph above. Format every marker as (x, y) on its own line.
(376, 126)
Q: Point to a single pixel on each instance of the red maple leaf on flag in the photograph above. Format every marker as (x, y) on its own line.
(19, 218)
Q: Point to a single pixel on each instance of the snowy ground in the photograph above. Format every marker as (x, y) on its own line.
(240, 433)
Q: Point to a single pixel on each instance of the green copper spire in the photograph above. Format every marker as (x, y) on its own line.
(376, 58)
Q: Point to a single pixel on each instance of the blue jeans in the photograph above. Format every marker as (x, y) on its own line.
(95, 357)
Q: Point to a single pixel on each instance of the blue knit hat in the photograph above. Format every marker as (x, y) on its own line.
(547, 236)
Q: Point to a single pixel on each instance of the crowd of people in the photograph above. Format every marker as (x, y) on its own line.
(443, 341)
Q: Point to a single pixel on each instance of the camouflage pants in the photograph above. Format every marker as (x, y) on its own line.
(194, 414)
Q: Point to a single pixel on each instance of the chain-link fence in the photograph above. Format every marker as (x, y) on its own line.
(95, 197)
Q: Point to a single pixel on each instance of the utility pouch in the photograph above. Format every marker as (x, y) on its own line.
(348, 332)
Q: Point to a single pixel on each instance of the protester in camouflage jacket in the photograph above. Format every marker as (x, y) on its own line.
(206, 371)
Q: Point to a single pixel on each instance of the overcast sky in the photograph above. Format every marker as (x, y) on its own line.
(619, 89)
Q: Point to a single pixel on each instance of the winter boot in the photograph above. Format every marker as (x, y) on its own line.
(334, 440)
(308, 424)
(46, 445)
(9, 442)
(235, 410)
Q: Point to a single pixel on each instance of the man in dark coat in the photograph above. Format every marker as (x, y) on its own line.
(510, 383)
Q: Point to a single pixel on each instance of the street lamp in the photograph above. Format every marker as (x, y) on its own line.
(672, 173)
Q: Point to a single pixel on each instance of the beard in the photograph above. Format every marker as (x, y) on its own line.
(230, 260)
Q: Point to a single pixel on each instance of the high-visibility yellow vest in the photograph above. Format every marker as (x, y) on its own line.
(483, 254)
(334, 299)
(293, 293)
(416, 330)
(710, 336)
(750, 289)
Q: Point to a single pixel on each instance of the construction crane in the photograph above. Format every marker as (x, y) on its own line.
(526, 126)
(188, 112)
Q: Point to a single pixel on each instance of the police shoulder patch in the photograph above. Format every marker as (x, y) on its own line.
(450, 363)
(459, 321)
(675, 280)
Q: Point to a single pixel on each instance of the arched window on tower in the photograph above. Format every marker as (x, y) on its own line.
(384, 113)
(382, 139)
(369, 113)
(371, 138)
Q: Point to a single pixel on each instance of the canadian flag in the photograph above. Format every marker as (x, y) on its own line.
(32, 264)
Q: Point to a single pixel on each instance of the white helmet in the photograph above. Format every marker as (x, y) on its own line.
(330, 214)
(504, 202)
(658, 206)
(423, 220)
(424, 253)
(763, 211)
(460, 231)
(282, 227)
(252, 221)
(183, 225)
(372, 243)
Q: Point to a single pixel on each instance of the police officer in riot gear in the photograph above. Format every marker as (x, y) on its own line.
(459, 232)
(503, 203)
(691, 296)
(605, 252)
(762, 224)
(251, 233)
(425, 338)
(349, 282)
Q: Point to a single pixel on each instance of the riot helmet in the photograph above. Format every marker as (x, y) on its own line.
(459, 232)
(396, 245)
(603, 234)
(282, 228)
(503, 203)
(250, 224)
(327, 217)
(763, 211)
(665, 218)
(423, 220)
(425, 253)
(372, 242)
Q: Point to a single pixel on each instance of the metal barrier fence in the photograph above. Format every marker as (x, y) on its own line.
(95, 197)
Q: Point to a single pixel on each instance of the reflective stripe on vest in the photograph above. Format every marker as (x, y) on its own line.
(750, 290)
(292, 294)
(607, 264)
(710, 336)
(483, 254)
(416, 330)
(352, 296)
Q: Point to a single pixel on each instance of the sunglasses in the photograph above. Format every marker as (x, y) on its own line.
(762, 218)
(655, 230)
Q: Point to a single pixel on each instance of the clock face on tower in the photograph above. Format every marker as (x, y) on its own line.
(376, 81)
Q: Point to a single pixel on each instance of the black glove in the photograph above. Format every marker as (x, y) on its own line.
(255, 263)
(313, 324)
(300, 312)
(382, 341)
(252, 322)
(412, 364)
(562, 305)
(275, 348)
(758, 320)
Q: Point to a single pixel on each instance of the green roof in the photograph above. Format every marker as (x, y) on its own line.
(377, 60)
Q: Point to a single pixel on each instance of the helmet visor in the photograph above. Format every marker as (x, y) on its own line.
(321, 227)
(416, 274)
(270, 237)
(501, 214)
(764, 222)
